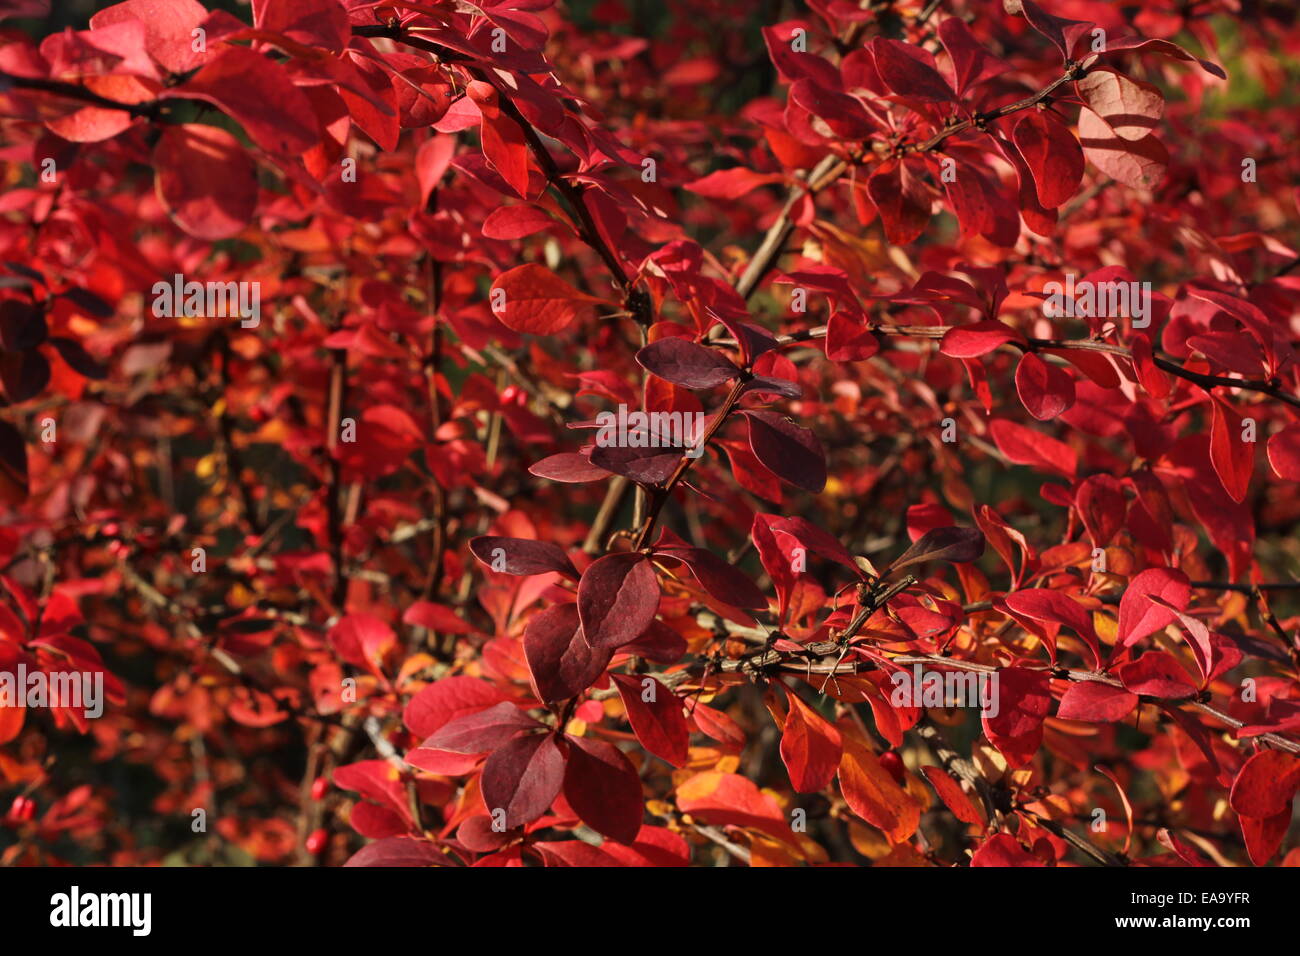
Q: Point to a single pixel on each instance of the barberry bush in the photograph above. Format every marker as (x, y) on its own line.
(648, 433)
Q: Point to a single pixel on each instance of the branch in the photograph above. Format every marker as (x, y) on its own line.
(1161, 360)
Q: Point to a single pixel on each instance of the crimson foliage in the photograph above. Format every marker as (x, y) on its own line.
(508, 434)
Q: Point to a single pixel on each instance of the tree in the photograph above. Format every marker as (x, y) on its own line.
(510, 434)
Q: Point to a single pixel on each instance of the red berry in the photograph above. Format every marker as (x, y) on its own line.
(894, 764)
(316, 841)
(319, 787)
(23, 809)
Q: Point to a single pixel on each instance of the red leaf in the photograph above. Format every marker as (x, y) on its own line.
(568, 467)
(953, 796)
(813, 539)
(788, 450)
(1139, 164)
(94, 124)
(523, 778)
(810, 747)
(1045, 389)
(363, 640)
(1266, 784)
(603, 788)
(1139, 615)
(958, 545)
(482, 731)
(729, 799)
(845, 116)
(1063, 33)
(538, 301)
(660, 643)
(560, 660)
(849, 339)
(905, 74)
(732, 183)
(1052, 154)
(1284, 453)
(516, 222)
(971, 62)
(1024, 446)
(205, 180)
(1156, 674)
(1129, 107)
(322, 23)
(1233, 458)
(573, 853)
(719, 578)
(1056, 607)
(435, 617)
(1002, 849)
(658, 722)
(375, 113)
(507, 151)
(1234, 352)
(901, 200)
(1101, 505)
(1264, 835)
(399, 851)
(686, 363)
(258, 93)
(1165, 47)
(446, 699)
(168, 26)
(980, 338)
(618, 596)
(1024, 699)
(432, 161)
(521, 556)
(1095, 701)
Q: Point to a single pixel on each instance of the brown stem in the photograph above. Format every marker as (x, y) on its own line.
(661, 495)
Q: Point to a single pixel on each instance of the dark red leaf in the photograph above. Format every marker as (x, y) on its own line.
(521, 556)
(523, 778)
(788, 450)
(719, 578)
(482, 731)
(942, 544)
(603, 787)
(617, 599)
(655, 714)
(1046, 390)
(1052, 154)
(560, 660)
(686, 363)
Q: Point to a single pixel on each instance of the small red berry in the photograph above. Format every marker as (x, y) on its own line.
(23, 809)
(319, 787)
(316, 841)
(894, 764)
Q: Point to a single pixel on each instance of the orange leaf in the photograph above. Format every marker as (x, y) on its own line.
(532, 298)
(872, 794)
